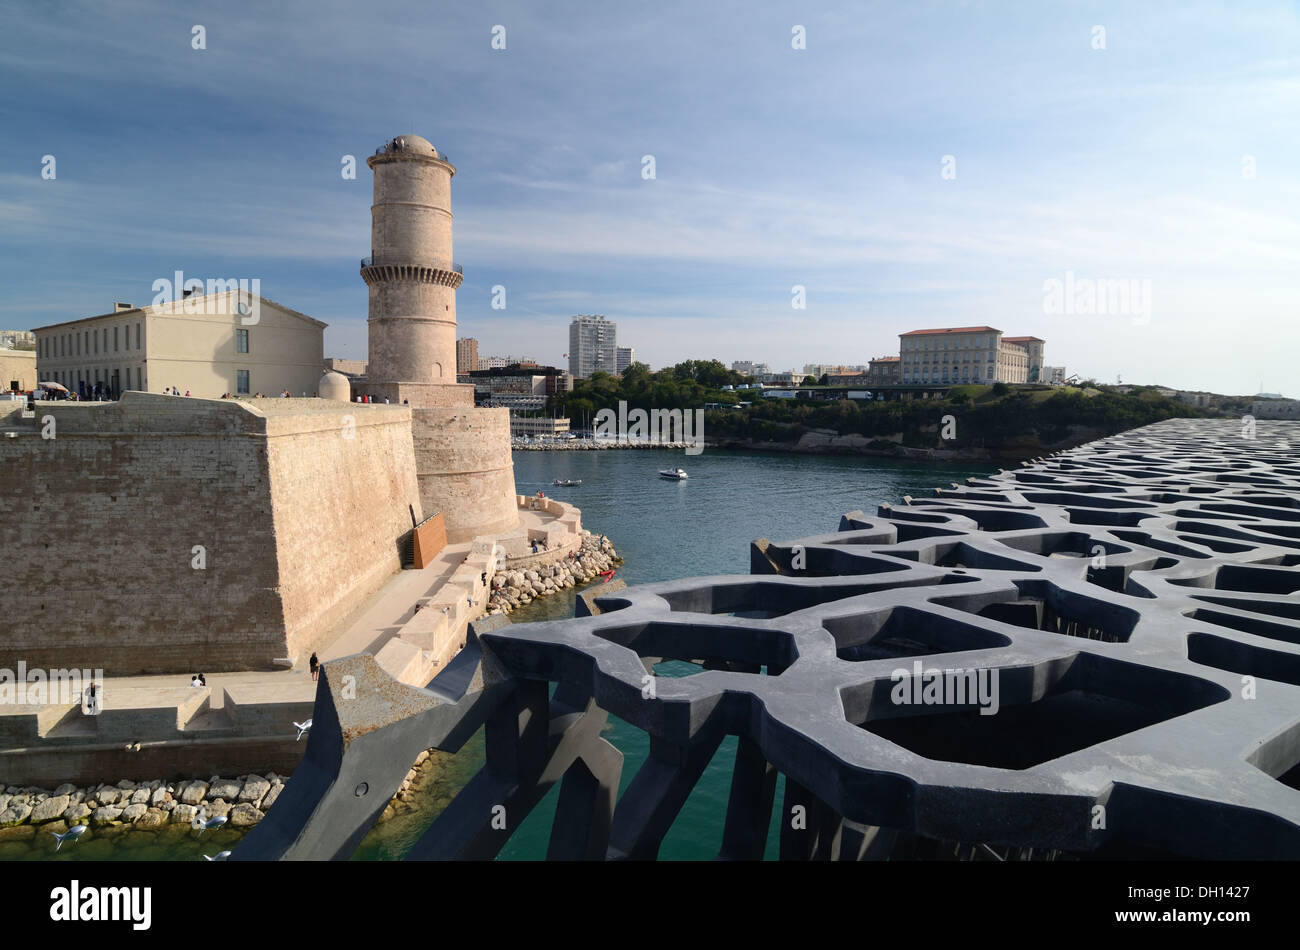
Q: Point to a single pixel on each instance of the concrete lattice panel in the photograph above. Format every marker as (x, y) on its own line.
(1136, 601)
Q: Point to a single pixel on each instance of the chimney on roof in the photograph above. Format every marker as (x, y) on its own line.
(119, 307)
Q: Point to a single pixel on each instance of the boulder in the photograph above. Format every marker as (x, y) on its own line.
(67, 788)
(127, 784)
(271, 796)
(134, 812)
(152, 818)
(226, 788)
(140, 796)
(183, 814)
(244, 815)
(105, 815)
(4, 801)
(107, 795)
(255, 789)
(217, 808)
(76, 814)
(50, 809)
(14, 814)
(158, 796)
(192, 794)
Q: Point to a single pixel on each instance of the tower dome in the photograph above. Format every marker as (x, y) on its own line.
(412, 144)
(335, 386)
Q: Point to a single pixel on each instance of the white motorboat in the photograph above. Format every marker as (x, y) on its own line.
(676, 474)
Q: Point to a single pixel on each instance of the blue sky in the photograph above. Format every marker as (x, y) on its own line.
(775, 167)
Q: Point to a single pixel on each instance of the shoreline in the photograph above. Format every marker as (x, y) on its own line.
(824, 442)
(512, 589)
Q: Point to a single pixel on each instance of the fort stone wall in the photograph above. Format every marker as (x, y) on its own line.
(465, 469)
(166, 534)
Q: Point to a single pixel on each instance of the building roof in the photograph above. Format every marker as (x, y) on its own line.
(886, 359)
(162, 310)
(1022, 339)
(951, 330)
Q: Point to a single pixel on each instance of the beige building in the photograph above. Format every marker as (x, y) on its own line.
(206, 344)
(347, 367)
(884, 371)
(1033, 348)
(532, 426)
(967, 355)
(17, 370)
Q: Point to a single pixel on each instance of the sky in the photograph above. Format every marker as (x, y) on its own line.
(913, 165)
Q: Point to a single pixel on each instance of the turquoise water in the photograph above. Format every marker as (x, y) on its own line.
(703, 525)
(665, 530)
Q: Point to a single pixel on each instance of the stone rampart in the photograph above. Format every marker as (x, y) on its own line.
(166, 534)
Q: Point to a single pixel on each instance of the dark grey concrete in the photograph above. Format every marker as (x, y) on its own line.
(1138, 599)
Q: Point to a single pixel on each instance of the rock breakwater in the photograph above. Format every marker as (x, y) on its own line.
(512, 589)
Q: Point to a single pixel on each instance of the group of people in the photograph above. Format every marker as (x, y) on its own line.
(367, 398)
(173, 391)
(198, 680)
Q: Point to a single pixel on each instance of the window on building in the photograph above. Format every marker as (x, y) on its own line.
(241, 341)
(241, 382)
(96, 344)
(114, 339)
(137, 339)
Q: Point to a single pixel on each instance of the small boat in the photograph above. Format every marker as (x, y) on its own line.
(673, 473)
(567, 482)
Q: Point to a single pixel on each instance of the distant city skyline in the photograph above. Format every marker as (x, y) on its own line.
(928, 165)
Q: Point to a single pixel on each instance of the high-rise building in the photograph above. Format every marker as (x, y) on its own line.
(466, 355)
(624, 356)
(747, 368)
(593, 345)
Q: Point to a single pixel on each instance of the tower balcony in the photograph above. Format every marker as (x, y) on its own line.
(447, 275)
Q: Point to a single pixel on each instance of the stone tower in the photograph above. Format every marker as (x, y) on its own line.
(462, 454)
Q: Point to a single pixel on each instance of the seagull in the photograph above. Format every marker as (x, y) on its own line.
(212, 823)
(75, 833)
(219, 856)
(303, 728)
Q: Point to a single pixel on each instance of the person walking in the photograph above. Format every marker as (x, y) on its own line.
(314, 665)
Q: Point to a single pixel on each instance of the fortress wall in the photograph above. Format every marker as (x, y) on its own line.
(465, 470)
(297, 524)
(99, 526)
(341, 505)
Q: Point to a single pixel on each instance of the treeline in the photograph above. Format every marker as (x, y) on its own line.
(997, 417)
(984, 415)
(688, 385)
